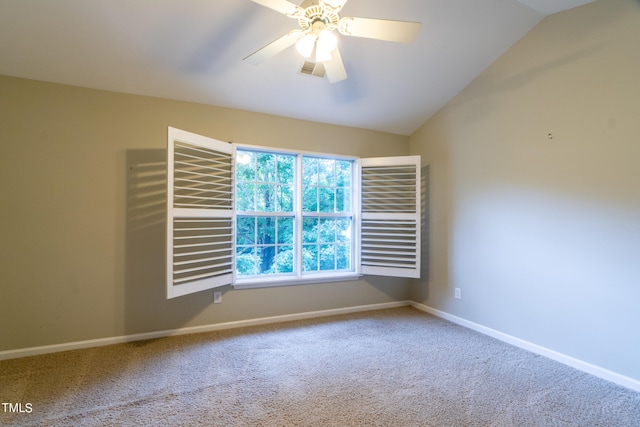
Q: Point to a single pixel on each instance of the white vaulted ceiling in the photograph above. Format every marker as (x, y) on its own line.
(192, 50)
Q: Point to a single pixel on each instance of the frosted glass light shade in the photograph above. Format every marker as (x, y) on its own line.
(327, 41)
(305, 45)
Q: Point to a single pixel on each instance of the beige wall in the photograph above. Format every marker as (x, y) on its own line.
(82, 221)
(543, 235)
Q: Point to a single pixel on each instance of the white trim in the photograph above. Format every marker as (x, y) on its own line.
(393, 161)
(594, 370)
(293, 280)
(250, 147)
(357, 216)
(34, 351)
(297, 221)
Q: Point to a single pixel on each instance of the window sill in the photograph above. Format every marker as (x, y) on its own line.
(292, 281)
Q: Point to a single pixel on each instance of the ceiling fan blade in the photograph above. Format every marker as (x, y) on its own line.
(282, 6)
(334, 67)
(274, 47)
(335, 5)
(381, 29)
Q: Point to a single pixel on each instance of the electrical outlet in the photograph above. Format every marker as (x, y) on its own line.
(457, 294)
(217, 297)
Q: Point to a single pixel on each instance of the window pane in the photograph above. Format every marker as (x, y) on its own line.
(343, 257)
(264, 245)
(343, 230)
(343, 173)
(310, 230)
(309, 171)
(285, 259)
(245, 196)
(245, 230)
(285, 168)
(310, 199)
(326, 172)
(285, 198)
(285, 231)
(245, 166)
(266, 167)
(327, 230)
(266, 198)
(309, 258)
(266, 259)
(246, 261)
(327, 200)
(266, 230)
(343, 200)
(327, 257)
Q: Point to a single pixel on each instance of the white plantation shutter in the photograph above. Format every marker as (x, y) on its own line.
(390, 216)
(199, 213)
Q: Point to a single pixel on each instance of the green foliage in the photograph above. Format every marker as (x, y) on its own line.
(265, 183)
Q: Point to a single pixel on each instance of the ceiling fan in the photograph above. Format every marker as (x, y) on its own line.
(315, 39)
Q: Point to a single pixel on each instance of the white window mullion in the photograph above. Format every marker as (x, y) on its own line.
(297, 243)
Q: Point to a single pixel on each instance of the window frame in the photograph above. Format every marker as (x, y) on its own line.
(256, 213)
(298, 276)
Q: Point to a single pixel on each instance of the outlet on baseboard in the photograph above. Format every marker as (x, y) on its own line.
(457, 293)
(217, 297)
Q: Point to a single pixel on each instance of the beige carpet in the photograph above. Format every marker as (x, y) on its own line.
(397, 367)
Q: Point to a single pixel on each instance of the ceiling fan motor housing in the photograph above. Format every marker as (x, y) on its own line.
(316, 18)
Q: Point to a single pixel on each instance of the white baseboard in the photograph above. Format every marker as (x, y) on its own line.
(34, 351)
(597, 371)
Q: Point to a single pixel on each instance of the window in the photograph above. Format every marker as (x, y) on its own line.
(277, 235)
(255, 216)
(327, 216)
(265, 217)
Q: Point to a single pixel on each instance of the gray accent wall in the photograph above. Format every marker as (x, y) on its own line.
(534, 190)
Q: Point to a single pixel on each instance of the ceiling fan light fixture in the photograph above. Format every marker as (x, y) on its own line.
(305, 45)
(327, 41)
(316, 37)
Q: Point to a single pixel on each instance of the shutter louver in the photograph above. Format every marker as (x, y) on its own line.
(200, 213)
(390, 216)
